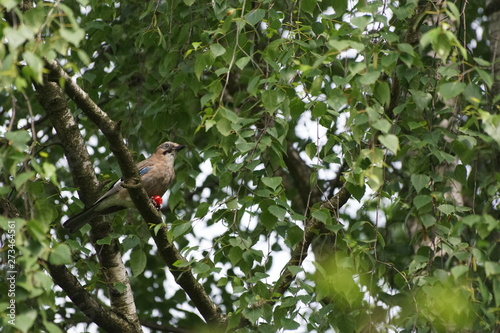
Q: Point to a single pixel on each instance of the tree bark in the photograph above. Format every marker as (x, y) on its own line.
(51, 97)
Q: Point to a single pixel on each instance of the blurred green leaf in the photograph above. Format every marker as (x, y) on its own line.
(60, 255)
(420, 182)
(272, 182)
(138, 261)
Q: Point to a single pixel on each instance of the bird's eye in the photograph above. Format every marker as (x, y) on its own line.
(166, 149)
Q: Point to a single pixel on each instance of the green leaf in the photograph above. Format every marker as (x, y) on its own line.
(224, 127)
(25, 320)
(316, 85)
(217, 50)
(439, 40)
(322, 216)
(289, 324)
(201, 268)
(17, 37)
(318, 28)
(36, 64)
(428, 220)
(235, 255)
(73, 35)
(242, 62)
(390, 141)
(422, 200)
(138, 261)
(104, 241)
(340, 7)
(406, 48)
(9, 4)
(51, 327)
(361, 21)
(382, 93)
(356, 191)
(255, 16)
(472, 220)
(295, 270)
(421, 98)
(420, 181)
(382, 125)
(225, 179)
(485, 76)
(60, 255)
(336, 99)
(22, 178)
(447, 209)
(370, 77)
(202, 62)
(253, 314)
(18, 139)
(277, 211)
(272, 99)
(189, 2)
(308, 6)
(451, 89)
(120, 287)
(294, 235)
(492, 268)
(491, 125)
(460, 174)
(232, 204)
(272, 182)
(181, 228)
(458, 271)
(202, 209)
(229, 115)
(311, 150)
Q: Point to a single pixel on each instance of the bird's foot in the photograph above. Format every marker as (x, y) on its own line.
(157, 201)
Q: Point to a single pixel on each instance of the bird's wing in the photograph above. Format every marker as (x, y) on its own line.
(117, 186)
(145, 170)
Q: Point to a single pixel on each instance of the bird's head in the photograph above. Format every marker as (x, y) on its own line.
(169, 149)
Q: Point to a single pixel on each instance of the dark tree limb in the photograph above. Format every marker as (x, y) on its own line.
(104, 317)
(170, 254)
(52, 99)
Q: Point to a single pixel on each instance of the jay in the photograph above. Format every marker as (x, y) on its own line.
(157, 174)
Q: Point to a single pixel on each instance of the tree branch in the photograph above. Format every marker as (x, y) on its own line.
(99, 314)
(52, 100)
(299, 253)
(301, 174)
(170, 254)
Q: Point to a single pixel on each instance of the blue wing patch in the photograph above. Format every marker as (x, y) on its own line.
(144, 171)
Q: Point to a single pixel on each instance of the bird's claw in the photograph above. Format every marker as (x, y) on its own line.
(157, 201)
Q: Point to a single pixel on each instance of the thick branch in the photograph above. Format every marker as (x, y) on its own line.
(168, 251)
(99, 314)
(52, 100)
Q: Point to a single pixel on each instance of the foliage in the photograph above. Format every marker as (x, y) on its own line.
(391, 99)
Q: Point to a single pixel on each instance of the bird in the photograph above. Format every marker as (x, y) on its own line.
(157, 174)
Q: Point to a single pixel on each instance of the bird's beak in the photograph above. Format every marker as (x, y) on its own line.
(180, 147)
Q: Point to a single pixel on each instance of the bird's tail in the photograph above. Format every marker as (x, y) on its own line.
(74, 223)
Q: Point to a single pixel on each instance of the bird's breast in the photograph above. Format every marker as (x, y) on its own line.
(157, 183)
